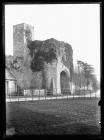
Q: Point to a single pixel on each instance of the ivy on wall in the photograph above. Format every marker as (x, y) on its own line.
(41, 52)
(30, 70)
(49, 50)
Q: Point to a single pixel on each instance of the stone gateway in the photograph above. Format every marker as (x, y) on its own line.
(50, 61)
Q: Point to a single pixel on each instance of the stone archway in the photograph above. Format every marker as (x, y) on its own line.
(64, 82)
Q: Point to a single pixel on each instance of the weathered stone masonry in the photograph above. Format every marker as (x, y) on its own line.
(56, 74)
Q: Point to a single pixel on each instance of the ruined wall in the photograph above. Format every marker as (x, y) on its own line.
(50, 57)
(64, 83)
(43, 60)
(18, 40)
(20, 34)
(65, 54)
(68, 59)
(50, 75)
(43, 63)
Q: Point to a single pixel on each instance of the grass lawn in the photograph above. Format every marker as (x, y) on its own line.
(64, 116)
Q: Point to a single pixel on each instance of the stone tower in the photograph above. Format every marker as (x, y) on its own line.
(19, 38)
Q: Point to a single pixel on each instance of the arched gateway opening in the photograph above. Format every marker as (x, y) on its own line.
(64, 83)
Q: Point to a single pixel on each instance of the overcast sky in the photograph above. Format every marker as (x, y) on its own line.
(76, 24)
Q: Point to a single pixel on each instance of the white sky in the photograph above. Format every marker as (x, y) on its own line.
(76, 24)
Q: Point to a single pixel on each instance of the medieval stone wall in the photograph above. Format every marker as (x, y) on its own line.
(51, 57)
(50, 73)
(19, 38)
(43, 60)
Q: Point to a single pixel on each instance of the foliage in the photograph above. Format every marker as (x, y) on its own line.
(36, 81)
(24, 76)
(95, 83)
(9, 61)
(85, 76)
(79, 79)
(41, 56)
(47, 51)
(28, 34)
(69, 59)
(27, 70)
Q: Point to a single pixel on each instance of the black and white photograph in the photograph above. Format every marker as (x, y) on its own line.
(52, 69)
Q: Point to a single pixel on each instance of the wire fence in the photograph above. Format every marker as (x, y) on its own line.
(14, 93)
(44, 94)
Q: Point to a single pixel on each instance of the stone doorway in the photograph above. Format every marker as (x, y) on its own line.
(64, 83)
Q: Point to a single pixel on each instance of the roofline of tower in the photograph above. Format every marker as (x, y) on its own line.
(22, 23)
(18, 24)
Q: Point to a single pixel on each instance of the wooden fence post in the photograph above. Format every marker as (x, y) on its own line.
(25, 94)
(73, 95)
(39, 93)
(18, 93)
(90, 94)
(8, 89)
(95, 94)
(9, 92)
(32, 94)
(46, 93)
